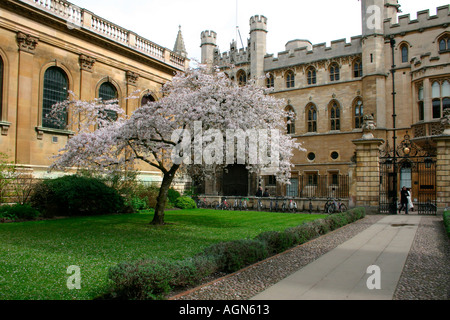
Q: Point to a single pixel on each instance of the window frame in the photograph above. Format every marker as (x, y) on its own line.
(290, 79)
(46, 99)
(358, 105)
(311, 76)
(357, 69)
(112, 115)
(311, 118)
(335, 72)
(335, 116)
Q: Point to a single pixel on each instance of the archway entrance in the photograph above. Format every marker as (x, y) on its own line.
(235, 180)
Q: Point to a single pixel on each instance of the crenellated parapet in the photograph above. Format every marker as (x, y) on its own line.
(310, 54)
(424, 21)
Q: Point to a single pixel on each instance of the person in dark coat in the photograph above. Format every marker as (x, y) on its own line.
(404, 200)
(259, 193)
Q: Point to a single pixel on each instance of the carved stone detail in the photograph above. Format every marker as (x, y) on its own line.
(86, 63)
(27, 42)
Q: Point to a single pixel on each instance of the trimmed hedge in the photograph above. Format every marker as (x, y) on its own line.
(75, 196)
(446, 217)
(155, 279)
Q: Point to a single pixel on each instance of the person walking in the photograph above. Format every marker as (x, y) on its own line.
(410, 203)
(404, 200)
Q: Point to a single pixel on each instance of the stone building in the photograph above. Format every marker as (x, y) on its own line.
(48, 48)
(333, 89)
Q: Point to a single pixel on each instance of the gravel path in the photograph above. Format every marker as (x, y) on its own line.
(426, 274)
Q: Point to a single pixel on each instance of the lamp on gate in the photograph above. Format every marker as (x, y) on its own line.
(428, 162)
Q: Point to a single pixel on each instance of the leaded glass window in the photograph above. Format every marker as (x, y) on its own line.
(108, 93)
(335, 116)
(55, 91)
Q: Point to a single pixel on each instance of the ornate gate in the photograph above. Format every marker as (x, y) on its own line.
(412, 167)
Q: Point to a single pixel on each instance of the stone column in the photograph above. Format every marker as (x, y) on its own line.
(25, 104)
(367, 169)
(443, 165)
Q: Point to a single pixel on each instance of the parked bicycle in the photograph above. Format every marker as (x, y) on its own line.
(223, 205)
(335, 206)
(202, 204)
(292, 206)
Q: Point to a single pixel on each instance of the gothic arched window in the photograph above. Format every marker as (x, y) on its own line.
(357, 69)
(405, 53)
(290, 79)
(335, 116)
(241, 78)
(270, 81)
(290, 120)
(358, 113)
(311, 116)
(312, 76)
(334, 72)
(55, 91)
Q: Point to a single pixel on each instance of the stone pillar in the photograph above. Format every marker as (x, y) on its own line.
(27, 46)
(443, 165)
(367, 169)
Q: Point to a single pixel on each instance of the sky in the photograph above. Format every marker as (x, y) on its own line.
(318, 21)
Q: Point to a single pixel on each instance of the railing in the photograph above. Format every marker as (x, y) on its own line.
(109, 29)
(77, 17)
(324, 186)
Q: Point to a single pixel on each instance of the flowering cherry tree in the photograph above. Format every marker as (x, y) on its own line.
(185, 131)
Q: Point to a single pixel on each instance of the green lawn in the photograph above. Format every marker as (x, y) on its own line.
(34, 256)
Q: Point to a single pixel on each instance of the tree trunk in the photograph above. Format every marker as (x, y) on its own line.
(158, 218)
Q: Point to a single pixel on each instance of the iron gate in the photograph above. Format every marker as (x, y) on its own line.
(412, 167)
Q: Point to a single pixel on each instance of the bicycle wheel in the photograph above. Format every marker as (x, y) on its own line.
(331, 208)
(343, 208)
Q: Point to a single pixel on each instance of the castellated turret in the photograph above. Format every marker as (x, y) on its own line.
(208, 45)
(258, 45)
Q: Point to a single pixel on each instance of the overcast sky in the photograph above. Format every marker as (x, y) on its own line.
(317, 21)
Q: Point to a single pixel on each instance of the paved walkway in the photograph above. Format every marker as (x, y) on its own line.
(342, 273)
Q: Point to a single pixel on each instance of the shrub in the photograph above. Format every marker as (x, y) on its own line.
(18, 212)
(185, 203)
(278, 241)
(137, 204)
(75, 195)
(173, 195)
(234, 255)
(154, 279)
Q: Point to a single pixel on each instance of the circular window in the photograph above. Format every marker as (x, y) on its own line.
(311, 156)
(334, 155)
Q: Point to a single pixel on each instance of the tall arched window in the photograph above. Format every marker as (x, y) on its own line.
(311, 116)
(334, 72)
(290, 79)
(440, 93)
(404, 49)
(290, 120)
(270, 81)
(1, 88)
(357, 69)
(148, 97)
(55, 91)
(312, 76)
(421, 104)
(108, 92)
(335, 116)
(444, 43)
(241, 78)
(358, 113)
